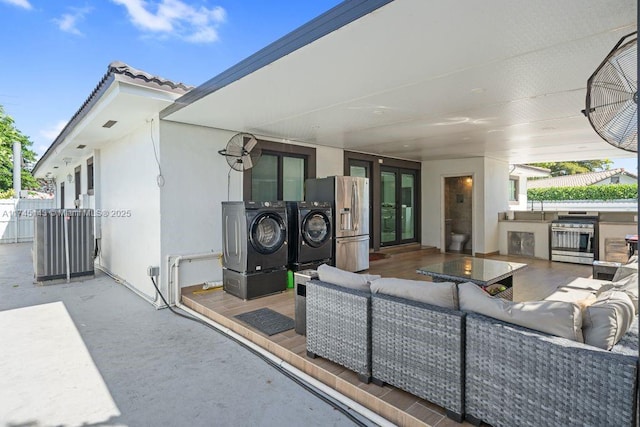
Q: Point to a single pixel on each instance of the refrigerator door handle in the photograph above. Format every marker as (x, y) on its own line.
(354, 204)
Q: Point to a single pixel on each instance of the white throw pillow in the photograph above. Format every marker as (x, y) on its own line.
(608, 319)
(626, 269)
(628, 285)
(343, 278)
(558, 318)
(444, 294)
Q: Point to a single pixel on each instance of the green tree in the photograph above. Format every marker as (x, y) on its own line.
(8, 135)
(572, 168)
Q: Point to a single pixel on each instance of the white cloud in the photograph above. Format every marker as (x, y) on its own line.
(68, 21)
(175, 17)
(52, 132)
(20, 3)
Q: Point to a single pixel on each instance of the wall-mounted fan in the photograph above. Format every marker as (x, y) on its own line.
(242, 152)
(612, 95)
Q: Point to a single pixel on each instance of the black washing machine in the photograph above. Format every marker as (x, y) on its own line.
(255, 248)
(310, 234)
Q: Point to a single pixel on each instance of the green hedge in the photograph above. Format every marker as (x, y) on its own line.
(588, 192)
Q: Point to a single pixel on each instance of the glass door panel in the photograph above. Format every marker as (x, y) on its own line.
(408, 203)
(293, 178)
(388, 207)
(264, 179)
(358, 171)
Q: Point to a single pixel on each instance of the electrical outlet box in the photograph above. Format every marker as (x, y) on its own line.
(153, 271)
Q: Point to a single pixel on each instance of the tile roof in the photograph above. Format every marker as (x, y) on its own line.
(576, 180)
(121, 68)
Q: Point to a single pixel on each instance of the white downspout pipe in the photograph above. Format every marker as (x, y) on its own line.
(360, 409)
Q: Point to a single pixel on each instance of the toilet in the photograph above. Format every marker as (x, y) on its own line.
(458, 241)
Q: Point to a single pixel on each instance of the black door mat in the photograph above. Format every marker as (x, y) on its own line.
(267, 321)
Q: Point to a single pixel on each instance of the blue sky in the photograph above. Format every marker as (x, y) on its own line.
(55, 52)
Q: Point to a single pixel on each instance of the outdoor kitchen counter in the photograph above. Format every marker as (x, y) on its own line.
(524, 237)
(611, 234)
(529, 231)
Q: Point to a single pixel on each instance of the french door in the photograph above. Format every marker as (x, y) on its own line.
(398, 203)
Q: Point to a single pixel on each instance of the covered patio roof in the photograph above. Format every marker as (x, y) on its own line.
(420, 80)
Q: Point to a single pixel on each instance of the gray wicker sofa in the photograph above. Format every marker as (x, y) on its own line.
(419, 348)
(519, 377)
(339, 326)
(474, 366)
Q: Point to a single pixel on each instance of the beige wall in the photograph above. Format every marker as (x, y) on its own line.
(490, 196)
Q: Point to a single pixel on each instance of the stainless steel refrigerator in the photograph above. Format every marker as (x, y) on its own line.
(350, 202)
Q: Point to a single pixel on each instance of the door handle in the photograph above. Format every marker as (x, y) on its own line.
(354, 201)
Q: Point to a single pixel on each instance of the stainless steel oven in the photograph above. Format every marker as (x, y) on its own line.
(574, 239)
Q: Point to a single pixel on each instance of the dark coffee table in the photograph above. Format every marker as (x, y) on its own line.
(481, 271)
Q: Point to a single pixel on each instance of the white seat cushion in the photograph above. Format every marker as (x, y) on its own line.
(558, 318)
(442, 294)
(577, 290)
(346, 279)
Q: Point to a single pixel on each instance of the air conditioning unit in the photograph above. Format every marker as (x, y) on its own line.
(63, 244)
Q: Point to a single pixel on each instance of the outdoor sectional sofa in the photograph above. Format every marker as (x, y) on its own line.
(475, 366)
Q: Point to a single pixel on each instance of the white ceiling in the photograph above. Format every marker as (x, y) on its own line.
(438, 79)
(128, 104)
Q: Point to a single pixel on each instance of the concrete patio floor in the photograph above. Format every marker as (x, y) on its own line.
(92, 353)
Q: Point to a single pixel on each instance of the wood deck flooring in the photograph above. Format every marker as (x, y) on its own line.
(537, 281)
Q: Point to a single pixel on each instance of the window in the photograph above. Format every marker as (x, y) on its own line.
(615, 180)
(90, 175)
(78, 183)
(513, 189)
(62, 195)
(280, 173)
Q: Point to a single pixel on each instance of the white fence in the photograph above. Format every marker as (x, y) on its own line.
(16, 218)
(626, 205)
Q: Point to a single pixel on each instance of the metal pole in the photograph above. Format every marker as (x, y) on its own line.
(17, 167)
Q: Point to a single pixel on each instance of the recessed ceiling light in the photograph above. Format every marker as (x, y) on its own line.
(109, 123)
(548, 128)
(478, 90)
(378, 112)
(81, 146)
(406, 145)
(495, 130)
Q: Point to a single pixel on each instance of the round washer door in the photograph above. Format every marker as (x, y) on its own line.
(316, 229)
(268, 233)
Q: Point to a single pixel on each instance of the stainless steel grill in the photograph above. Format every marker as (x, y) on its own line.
(574, 240)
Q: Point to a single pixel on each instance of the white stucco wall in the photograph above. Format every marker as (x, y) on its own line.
(61, 176)
(130, 205)
(329, 161)
(191, 198)
(521, 203)
(623, 179)
(490, 196)
(496, 199)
